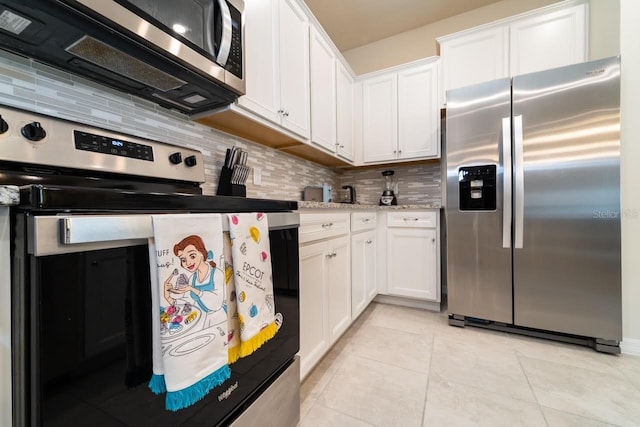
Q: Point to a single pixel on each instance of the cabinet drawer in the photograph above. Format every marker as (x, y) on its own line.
(363, 221)
(412, 219)
(316, 226)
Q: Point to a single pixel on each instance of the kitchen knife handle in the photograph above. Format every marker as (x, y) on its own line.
(519, 181)
(506, 182)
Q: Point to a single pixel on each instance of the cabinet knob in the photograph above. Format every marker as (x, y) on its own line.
(395, 151)
(342, 146)
(331, 254)
(280, 111)
(286, 114)
(368, 242)
(365, 219)
(433, 239)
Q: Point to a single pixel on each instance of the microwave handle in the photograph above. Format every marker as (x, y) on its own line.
(225, 43)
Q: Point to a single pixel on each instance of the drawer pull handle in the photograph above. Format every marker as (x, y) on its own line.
(331, 254)
(411, 219)
(433, 239)
(327, 225)
(368, 242)
(366, 219)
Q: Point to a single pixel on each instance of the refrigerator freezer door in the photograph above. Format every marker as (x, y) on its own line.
(478, 266)
(567, 271)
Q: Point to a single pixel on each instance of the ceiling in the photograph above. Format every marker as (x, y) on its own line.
(354, 23)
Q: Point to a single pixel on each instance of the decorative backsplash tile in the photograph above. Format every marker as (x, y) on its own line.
(32, 86)
(417, 183)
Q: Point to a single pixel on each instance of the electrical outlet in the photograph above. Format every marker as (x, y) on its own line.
(257, 176)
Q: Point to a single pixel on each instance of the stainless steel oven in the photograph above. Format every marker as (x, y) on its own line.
(80, 319)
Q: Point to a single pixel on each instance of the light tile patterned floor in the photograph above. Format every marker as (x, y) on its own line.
(399, 366)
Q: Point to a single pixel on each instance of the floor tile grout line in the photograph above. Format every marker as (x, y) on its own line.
(344, 413)
(609, 423)
(533, 391)
(426, 393)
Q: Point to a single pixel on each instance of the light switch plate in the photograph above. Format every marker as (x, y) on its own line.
(257, 176)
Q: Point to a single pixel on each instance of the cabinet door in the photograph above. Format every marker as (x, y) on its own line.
(418, 112)
(323, 92)
(411, 258)
(380, 118)
(549, 40)
(314, 332)
(339, 286)
(344, 114)
(294, 67)
(261, 59)
(363, 271)
(475, 57)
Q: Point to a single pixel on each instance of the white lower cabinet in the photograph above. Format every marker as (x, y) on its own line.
(325, 286)
(363, 261)
(348, 259)
(413, 258)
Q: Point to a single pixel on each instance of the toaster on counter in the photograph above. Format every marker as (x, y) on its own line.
(317, 194)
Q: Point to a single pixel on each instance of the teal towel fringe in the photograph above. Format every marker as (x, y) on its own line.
(188, 396)
(157, 384)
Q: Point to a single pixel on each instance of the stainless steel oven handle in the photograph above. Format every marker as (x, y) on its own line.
(225, 43)
(76, 233)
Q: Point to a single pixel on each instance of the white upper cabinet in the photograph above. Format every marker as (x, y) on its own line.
(294, 67)
(344, 114)
(380, 118)
(480, 56)
(549, 40)
(400, 114)
(261, 59)
(323, 92)
(418, 112)
(545, 38)
(277, 63)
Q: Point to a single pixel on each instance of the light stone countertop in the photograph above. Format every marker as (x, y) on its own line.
(358, 206)
(9, 195)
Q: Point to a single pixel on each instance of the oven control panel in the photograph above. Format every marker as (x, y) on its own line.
(115, 146)
(28, 138)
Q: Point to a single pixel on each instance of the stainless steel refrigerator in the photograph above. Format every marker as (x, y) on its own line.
(533, 204)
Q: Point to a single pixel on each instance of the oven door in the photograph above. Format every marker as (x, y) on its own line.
(81, 312)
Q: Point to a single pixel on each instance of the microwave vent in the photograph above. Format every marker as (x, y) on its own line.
(118, 62)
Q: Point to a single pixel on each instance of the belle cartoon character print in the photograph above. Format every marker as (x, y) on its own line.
(189, 342)
(198, 290)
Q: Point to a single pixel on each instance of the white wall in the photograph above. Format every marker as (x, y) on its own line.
(630, 174)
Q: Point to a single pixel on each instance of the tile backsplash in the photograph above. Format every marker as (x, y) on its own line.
(417, 183)
(32, 86)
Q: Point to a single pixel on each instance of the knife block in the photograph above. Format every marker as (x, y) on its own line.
(226, 188)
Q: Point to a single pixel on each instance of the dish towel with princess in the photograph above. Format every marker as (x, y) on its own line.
(212, 299)
(189, 319)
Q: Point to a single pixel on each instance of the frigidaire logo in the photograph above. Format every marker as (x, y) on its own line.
(227, 392)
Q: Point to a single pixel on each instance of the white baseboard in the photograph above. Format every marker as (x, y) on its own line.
(409, 302)
(630, 346)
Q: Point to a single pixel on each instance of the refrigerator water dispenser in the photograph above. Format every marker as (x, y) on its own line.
(477, 189)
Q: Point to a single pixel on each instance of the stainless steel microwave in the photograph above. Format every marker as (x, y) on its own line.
(181, 54)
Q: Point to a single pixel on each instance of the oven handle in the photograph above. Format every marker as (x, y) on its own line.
(52, 235)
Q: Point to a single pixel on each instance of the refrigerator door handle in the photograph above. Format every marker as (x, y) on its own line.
(506, 182)
(519, 181)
